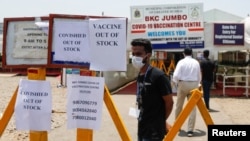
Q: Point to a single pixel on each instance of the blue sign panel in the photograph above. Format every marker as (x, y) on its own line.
(229, 34)
(179, 45)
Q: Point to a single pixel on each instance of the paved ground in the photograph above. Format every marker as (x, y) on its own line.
(108, 131)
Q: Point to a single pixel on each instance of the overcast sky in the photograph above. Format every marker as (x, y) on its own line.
(121, 8)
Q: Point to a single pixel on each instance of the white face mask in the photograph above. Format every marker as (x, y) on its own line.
(137, 62)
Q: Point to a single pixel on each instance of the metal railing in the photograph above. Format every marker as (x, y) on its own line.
(244, 79)
(246, 86)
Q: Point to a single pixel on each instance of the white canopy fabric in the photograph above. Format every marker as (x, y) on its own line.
(246, 21)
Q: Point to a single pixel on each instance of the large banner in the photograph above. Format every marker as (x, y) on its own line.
(169, 26)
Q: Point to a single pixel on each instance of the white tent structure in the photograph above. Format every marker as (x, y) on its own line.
(234, 54)
(246, 21)
(216, 15)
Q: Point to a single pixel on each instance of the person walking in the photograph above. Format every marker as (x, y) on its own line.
(207, 71)
(187, 76)
(154, 94)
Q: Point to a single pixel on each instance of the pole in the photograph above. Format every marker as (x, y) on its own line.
(37, 74)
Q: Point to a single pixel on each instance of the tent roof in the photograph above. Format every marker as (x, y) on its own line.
(216, 15)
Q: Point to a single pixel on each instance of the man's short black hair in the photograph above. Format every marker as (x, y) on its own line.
(206, 53)
(188, 51)
(143, 42)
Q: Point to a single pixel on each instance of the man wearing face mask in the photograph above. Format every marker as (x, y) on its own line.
(154, 94)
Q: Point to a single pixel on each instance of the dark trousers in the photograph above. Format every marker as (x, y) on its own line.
(146, 139)
(206, 85)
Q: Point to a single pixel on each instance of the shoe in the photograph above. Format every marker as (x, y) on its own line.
(190, 133)
(209, 110)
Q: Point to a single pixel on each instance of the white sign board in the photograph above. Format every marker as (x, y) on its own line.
(108, 44)
(71, 41)
(33, 105)
(85, 101)
(30, 41)
(169, 26)
(26, 42)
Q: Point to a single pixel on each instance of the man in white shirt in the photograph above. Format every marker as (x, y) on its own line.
(187, 76)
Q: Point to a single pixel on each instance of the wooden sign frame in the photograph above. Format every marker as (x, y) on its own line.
(8, 61)
(65, 64)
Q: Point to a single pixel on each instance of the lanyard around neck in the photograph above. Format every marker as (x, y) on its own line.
(138, 92)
